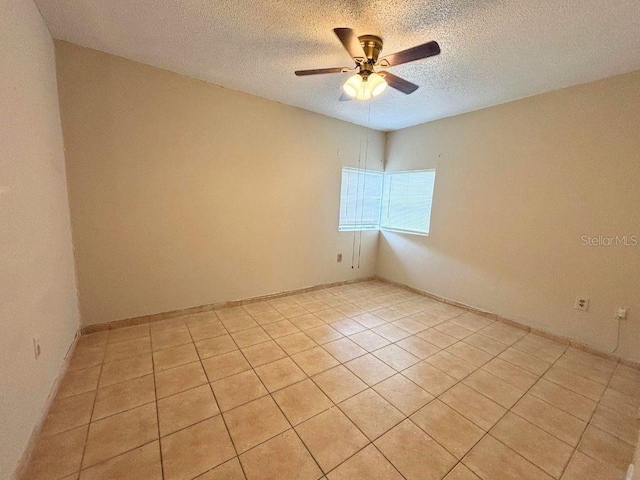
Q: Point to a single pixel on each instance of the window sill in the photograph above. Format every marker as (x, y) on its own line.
(356, 229)
(394, 230)
(410, 232)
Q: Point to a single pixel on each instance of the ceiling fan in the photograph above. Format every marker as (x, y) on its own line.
(365, 51)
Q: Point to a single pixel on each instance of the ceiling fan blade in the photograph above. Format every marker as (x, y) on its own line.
(351, 43)
(344, 97)
(319, 71)
(399, 83)
(411, 54)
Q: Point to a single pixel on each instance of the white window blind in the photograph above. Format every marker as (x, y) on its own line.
(360, 199)
(406, 201)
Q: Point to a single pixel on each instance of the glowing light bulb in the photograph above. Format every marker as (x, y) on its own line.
(352, 86)
(364, 88)
(377, 84)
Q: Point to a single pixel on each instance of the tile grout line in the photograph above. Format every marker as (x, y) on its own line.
(153, 372)
(319, 413)
(512, 345)
(337, 405)
(95, 398)
(370, 442)
(340, 363)
(279, 409)
(488, 432)
(458, 382)
(369, 387)
(155, 393)
(437, 397)
(253, 368)
(372, 352)
(589, 424)
(235, 449)
(586, 422)
(270, 394)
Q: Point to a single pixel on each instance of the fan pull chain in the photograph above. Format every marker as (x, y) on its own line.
(353, 246)
(366, 157)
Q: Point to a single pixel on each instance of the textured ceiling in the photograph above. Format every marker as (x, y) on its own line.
(493, 51)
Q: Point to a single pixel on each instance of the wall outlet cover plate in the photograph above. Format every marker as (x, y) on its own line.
(581, 303)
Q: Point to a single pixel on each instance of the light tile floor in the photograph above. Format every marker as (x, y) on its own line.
(364, 381)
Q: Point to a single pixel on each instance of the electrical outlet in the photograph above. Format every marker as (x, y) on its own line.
(581, 303)
(339, 258)
(621, 313)
(36, 348)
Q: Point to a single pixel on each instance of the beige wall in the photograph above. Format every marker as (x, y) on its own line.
(517, 186)
(37, 282)
(184, 193)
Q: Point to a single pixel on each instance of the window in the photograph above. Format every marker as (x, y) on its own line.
(406, 201)
(399, 201)
(360, 199)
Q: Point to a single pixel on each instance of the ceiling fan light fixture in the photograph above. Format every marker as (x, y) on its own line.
(364, 88)
(377, 84)
(353, 85)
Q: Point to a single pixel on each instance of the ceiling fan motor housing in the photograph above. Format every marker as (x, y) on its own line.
(372, 47)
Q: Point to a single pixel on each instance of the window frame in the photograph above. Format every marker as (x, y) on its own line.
(360, 227)
(382, 207)
(384, 193)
